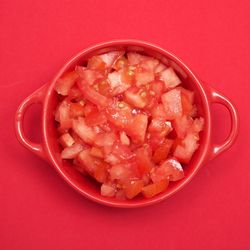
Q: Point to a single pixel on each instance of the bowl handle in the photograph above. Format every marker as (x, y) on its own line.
(216, 149)
(36, 97)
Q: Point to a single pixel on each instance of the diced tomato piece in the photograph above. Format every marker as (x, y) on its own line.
(121, 63)
(96, 152)
(96, 63)
(158, 112)
(136, 97)
(182, 125)
(161, 153)
(124, 138)
(86, 133)
(62, 115)
(64, 84)
(149, 64)
(172, 103)
(96, 118)
(117, 83)
(198, 125)
(91, 95)
(133, 188)
(151, 190)
(159, 127)
(105, 139)
(102, 85)
(122, 152)
(75, 94)
(143, 77)
(87, 75)
(89, 162)
(66, 140)
(143, 161)
(119, 114)
(111, 57)
(135, 58)
(72, 151)
(120, 172)
(160, 67)
(76, 109)
(170, 169)
(108, 190)
(100, 173)
(120, 195)
(185, 151)
(137, 128)
(112, 159)
(170, 78)
(187, 93)
(90, 108)
(156, 88)
(155, 141)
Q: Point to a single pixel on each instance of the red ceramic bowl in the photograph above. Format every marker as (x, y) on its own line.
(49, 148)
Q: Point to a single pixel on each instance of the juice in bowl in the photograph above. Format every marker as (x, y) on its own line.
(126, 123)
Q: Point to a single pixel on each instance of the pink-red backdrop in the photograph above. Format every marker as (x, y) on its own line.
(38, 210)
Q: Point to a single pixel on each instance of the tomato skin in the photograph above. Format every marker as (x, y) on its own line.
(63, 115)
(151, 190)
(133, 188)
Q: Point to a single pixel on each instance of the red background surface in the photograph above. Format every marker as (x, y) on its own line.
(38, 210)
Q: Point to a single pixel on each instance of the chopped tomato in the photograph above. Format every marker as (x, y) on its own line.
(182, 125)
(160, 67)
(133, 188)
(172, 103)
(151, 190)
(119, 114)
(170, 78)
(96, 118)
(88, 76)
(86, 133)
(143, 160)
(159, 127)
(108, 190)
(127, 121)
(96, 63)
(62, 115)
(91, 95)
(66, 140)
(170, 169)
(185, 151)
(72, 151)
(117, 83)
(76, 109)
(124, 138)
(137, 128)
(111, 57)
(64, 84)
(96, 152)
(161, 153)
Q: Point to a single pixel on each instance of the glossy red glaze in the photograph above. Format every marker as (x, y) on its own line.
(49, 147)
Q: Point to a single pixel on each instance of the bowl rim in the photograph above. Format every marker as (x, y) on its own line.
(202, 92)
